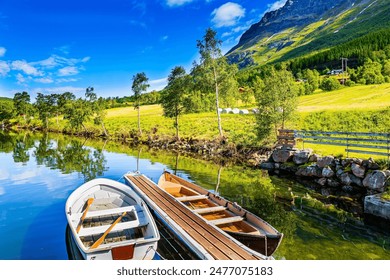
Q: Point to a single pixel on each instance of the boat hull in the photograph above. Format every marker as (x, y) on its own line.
(266, 245)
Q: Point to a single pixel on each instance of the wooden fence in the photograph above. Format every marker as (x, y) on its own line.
(354, 142)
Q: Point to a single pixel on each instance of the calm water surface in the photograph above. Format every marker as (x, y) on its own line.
(38, 173)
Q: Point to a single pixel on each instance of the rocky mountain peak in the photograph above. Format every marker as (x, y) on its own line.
(295, 13)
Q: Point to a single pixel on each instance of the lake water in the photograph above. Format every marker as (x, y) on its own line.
(38, 172)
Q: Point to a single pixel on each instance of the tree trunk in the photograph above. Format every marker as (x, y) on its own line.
(177, 126)
(218, 180)
(139, 121)
(85, 129)
(217, 103)
(104, 129)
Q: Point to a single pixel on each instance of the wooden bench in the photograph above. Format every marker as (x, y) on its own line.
(226, 220)
(209, 209)
(111, 211)
(191, 198)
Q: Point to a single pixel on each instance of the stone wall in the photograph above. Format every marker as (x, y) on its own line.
(350, 176)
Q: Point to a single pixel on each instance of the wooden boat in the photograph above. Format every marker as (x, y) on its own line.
(244, 226)
(109, 221)
(205, 241)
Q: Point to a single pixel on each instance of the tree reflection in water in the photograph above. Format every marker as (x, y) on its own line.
(67, 156)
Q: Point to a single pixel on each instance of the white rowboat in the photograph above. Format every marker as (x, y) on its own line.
(109, 221)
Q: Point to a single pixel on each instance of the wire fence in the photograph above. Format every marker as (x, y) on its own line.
(354, 142)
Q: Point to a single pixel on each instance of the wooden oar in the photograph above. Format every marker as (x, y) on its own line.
(89, 202)
(101, 239)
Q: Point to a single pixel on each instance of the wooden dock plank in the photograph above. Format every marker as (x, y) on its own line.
(216, 243)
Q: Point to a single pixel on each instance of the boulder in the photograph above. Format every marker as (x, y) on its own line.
(358, 170)
(345, 179)
(267, 165)
(314, 158)
(288, 167)
(333, 183)
(347, 189)
(375, 205)
(325, 192)
(339, 172)
(282, 155)
(302, 157)
(357, 161)
(325, 161)
(321, 181)
(327, 172)
(356, 180)
(375, 181)
(309, 171)
(370, 164)
(346, 162)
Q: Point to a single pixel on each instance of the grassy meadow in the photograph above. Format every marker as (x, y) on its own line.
(238, 128)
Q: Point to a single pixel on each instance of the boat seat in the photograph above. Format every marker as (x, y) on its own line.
(118, 227)
(111, 211)
(191, 198)
(226, 220)
(209, 209)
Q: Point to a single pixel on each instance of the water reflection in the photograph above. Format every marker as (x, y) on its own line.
(64, 155)
(39, 171)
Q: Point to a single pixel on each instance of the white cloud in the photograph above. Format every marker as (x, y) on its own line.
(2, 51)
(68, 71)
(56, 60)
(76, 90)
(4, 174)
(46, 80)
(27, 68)
(64, 49)
(47, 63)
(228, 14)
(236, 30)
(21, 79)
(158, 84)
(66, 80)
(85, 59)
(164, 38)
(173, 3)
(4, 68)
(276, 6)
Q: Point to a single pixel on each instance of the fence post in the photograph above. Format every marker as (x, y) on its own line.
(388, 155)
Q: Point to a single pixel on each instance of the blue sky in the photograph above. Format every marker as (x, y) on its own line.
(57, 46)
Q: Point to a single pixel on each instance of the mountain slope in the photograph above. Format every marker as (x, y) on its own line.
(304, 26)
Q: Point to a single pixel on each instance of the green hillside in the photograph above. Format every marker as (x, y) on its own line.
(361, 19)
(365, 98)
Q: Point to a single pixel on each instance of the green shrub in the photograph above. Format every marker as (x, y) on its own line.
(330, 83)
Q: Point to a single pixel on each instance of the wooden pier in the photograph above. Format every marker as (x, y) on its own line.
(217, 244)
